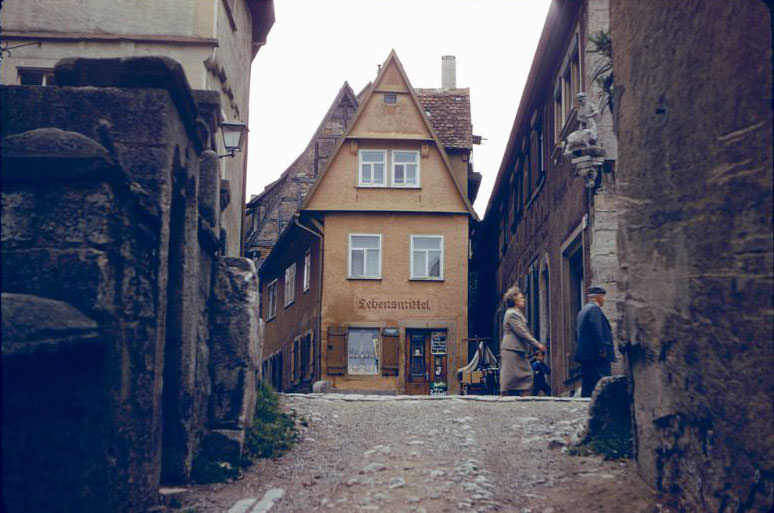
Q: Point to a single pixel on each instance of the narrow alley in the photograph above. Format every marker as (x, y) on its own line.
(432, 454)
(259, 256)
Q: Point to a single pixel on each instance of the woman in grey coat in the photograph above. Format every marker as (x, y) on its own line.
(515, 372)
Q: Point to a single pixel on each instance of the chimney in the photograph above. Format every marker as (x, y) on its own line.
(448, 72)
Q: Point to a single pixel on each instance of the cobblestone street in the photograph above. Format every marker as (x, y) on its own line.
(408, 454)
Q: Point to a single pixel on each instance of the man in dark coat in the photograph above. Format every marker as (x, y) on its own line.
(595, 350)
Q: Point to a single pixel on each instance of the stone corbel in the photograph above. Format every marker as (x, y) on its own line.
(353, 147)
(588, 168)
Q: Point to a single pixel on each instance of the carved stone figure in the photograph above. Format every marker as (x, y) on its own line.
(587, 135)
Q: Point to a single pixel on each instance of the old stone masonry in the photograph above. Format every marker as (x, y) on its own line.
(432, 454)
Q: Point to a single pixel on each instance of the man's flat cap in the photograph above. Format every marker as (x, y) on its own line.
(597, 290)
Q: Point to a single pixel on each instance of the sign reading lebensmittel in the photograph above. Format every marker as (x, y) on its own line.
(392, 304)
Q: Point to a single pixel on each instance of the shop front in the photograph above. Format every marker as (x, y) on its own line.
(393, 355)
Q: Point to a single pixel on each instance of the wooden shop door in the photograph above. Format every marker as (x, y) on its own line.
(417, 362)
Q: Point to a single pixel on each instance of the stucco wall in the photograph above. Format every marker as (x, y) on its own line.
(695, 179)
(233, 56)
(339, 191)
(448, 298)
(171, 17)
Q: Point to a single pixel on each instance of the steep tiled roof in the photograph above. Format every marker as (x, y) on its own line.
(449, 112)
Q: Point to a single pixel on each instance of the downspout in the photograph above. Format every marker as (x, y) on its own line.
(318, 354)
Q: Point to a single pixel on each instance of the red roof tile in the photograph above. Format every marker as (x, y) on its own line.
(449, 112)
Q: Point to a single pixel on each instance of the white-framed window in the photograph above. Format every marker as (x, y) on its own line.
(427, 257)
(568, 85)
(371, 168)
(271, 293)
(365, 255)
(363, 351)
(405, 168)
(307, 269)
(290, 284)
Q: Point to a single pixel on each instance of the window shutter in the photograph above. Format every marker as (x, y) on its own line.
(293, 362)
(310, 365)
(390, 354)
(336, 353)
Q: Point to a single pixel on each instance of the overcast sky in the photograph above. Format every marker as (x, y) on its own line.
(316, 45)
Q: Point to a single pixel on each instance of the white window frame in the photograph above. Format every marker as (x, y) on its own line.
(307, 270)
(360, 181)
(563, 89)
(271, 299)
(366, 276)
(290, 284)
(394, 164)
(377, 352)
(426, 277)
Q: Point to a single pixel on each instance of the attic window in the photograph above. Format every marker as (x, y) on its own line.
(390, 98)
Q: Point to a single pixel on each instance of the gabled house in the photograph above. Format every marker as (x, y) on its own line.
(386, 230)
(547, 229)
(268, 213)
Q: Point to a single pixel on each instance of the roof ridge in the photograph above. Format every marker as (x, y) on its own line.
(393, 56)
(344, 90)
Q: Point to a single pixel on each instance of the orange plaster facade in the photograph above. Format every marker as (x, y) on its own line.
(395, 300)
(402, 316)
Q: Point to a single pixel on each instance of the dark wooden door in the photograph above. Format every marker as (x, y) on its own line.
(418, 362)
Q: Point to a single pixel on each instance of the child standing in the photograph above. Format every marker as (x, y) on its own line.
(541, 370)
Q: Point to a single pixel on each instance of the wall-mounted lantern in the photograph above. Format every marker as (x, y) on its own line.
(233, 135)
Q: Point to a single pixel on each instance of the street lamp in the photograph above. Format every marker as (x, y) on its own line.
(233, 133)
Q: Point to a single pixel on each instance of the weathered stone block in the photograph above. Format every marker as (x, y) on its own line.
(209, 185)
(234, 342)
(226, 443)
(87, 273)
(32, 324)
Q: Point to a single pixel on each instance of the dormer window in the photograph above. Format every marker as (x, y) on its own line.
(390, 98)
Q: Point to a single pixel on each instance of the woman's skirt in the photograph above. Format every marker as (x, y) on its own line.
(515, 372)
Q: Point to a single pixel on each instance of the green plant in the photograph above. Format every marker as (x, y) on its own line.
(273, 432)
(614, 443)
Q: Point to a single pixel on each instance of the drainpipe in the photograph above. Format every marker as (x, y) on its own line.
(318, 354)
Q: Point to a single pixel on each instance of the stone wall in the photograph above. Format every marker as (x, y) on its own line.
(214, 41)
(81, 412)
(110, 241)
(695, 181)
